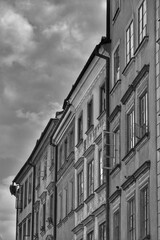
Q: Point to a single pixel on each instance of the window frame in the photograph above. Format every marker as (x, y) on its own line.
(129, 47)
(131, 129)
(101, 170)
(90, 177)
(80, 187)
(131, 216)
(102, 235)
(116, 68)
(25, 193)
(116, 225)
(90, 235)
(142, 22)
(80, 127)
(90, 113)
(144, 207)
(116, 159)
(102, 91)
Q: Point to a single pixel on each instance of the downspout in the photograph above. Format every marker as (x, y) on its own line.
(107, 124)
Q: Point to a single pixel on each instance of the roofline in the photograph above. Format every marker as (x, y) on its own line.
(28, 162)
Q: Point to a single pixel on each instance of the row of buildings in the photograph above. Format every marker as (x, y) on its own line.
(95, 171)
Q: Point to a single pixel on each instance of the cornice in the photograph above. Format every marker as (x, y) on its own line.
(116, 194)
(116, 110)
(89, 150)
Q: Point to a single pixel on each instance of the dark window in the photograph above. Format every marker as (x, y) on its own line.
(116, 65)
(116, 225)
(52, 150)
(30, 189)
(90, 236)
(143, 112)
(80, 128)
(66, 202)
(102, 231)
(20, 233)
(130, 130)
(44, 216)
(29, 227)
(144, 212)
(90, 177)
(65, 149)
(25, 193)
(45, 169)
(142, 21)
(38, 174)
(80, 187)
(102, 98)
(71, 141)
(90, 114)
(60, 207)
(60, 156)
(51, 206)
(24, 229)
(129, 43)
(37, 222)
(131, 219)
(72, 195)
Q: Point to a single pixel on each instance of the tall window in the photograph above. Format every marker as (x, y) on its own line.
(71, 140)
(65, 149)
(37, 222)
(116, 65)
(20, 198)
(102, 98)
(66, 202)
(129, 42)
(80, 127)
(116, 146)
(72, 194)
(90, 177)
(44, 216)
(116, 225)
(80, 187)
(130, 130)
(143, 113)
(45, 169)
(60, 156)
(102, 231)
(144, 212)
(60, 207)
(101, 171)
(38, 174)
(24, 229)
(90, 236)
(30, 189)
(142, 21)
(51, 206)
(90, 114)
(29, 227)
(131, 219)
(52, 151)
(20, 232)
(25, 193)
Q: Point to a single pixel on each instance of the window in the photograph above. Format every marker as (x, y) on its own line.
(52, 151)
(29, 227)
(45, 169)
(131, 219)
(143, 111)
(116, 66)
(20, 198)
(37, 222)
(130, 130)
(60, 207)
(102, 98)
(90, 113)
(72, 195)
(51, 206)
(90, 236)
(116, 7)
(144, 212)
(80, 187)
(30, 189)
(102, 231)
(60, 156)
(142, 21)
(20, 232)
(24, 229)
(80, 128)
(44, 216)
(129, 42)
(116, 146)
(90, 177)
(38, 174)
(66, 202)
(71, 141)
(25, 193)
(101, 171)
(116, 225)
(65, 149)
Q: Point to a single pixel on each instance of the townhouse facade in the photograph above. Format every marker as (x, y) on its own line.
(97, 172)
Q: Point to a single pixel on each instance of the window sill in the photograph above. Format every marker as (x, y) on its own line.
(51, 167)
(101, 115)
(115, 169)
(65, 219)
(38, 186)
(100, 188)
(89, 198)
(129, 155)
(115, 86)
(59, 224)
(142, 141)
(128, 66)
(71, 213)
(116, 15)
(141, 45)
(89, 129)
(146, 237)
(79, 143)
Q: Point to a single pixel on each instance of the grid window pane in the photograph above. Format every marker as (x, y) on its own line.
(116, 65)
(144, 211)
(131, 219)
(90, 177)
(142, 21)
(129, 42)
(116, 225)
(130, 130)
(102, 231)
(80, 187)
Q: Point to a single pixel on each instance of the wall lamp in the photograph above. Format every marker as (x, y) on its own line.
(102, 44)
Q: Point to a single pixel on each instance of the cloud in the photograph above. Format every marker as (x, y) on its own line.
(17, 35)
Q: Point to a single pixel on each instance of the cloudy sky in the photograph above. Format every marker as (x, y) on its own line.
(44, 45)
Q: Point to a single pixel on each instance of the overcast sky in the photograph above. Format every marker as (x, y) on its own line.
(44, 45)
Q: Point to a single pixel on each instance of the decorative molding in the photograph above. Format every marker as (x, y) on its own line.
(114, 113)
(125, 70)
(50, 187)
(134, 84)
(98, 140)
(115, 195)
(100, 210)
(79, 207)
(118, 82)
(143, 168)
(36, 206)
(100, 188)
(79, 162)
(88, 199)
(89, 150)
(143, 42)
(78, 228)
(43, 197)
(88, 220)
